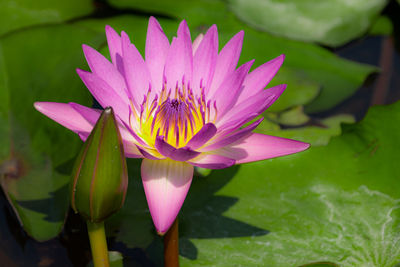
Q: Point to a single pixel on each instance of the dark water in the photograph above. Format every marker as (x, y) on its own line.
(72, 248)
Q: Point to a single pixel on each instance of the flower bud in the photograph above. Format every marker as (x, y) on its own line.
(100, 178)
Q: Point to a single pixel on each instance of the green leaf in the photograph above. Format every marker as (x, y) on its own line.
(317, 135)
(16, 14)
(132, 225)
(37, 154)
(292, 117)
(331, 22)
(320, 264)
(337, 203)
(382, 26)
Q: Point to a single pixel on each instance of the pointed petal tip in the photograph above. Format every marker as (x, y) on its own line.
(166, 184)
(109, 28)
(85, 47)
(183, 28)
(36, 105)
(161, 233)
(281, 88)
(305, 146)
(240, 35)
(80, 71)
(42, 106)
(213, 28)
(89, 53)
(125, 37)
(153, 19)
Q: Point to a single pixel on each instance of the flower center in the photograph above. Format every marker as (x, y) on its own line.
(177, 118)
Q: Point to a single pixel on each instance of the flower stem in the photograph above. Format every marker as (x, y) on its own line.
(98, 244)
(171, 246)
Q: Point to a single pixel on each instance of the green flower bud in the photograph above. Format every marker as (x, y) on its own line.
(100, 177)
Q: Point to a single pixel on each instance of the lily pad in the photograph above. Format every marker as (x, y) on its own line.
(132, 225)
(318, 134)
(292, 117)
(382, 26)
(333, 22)
(337, 203)
(37, 154)
(16, 14)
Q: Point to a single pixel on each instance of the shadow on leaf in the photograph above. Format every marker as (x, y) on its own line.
(42, 205)
(202, 213)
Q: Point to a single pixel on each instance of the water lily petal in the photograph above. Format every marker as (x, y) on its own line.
(150, 153)
(105, 94)
(183, 154)
(92, 115)
(157, 46)
(227, 140)
(114, 44)
(166, 183)
(179, 62)
(202, 136)
(197, 42)
(227, 61)
(212, 161)
(106, 70)
(259, 78)
(259, 147)
(180, 154)
(137, 75)
(227, 93)
(205, 59)
(66, 115)
(163, 147)
(250, 108)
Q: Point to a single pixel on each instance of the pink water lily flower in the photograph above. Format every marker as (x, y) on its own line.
(183, 105)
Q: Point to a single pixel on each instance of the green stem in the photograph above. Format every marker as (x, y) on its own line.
(98, 244)
(171, 246)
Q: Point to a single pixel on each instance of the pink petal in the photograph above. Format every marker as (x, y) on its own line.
(150, 153)
(202, 136)
(137, 75)
(178, 154)
(136, 138)
(157, 46)
(212, 161)
(250, 108)
(205, 59)
(236, 136)
(227, 61)
(166, 183)
(92, 115)
(131, 150)
(227, 93)
(104, 94)
(259, 147)
(259, 78)
(114, 44)
(197, 42)
(179, 62)
(66, 115)
(106, 70)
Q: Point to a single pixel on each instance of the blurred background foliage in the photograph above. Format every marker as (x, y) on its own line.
(336, 204)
